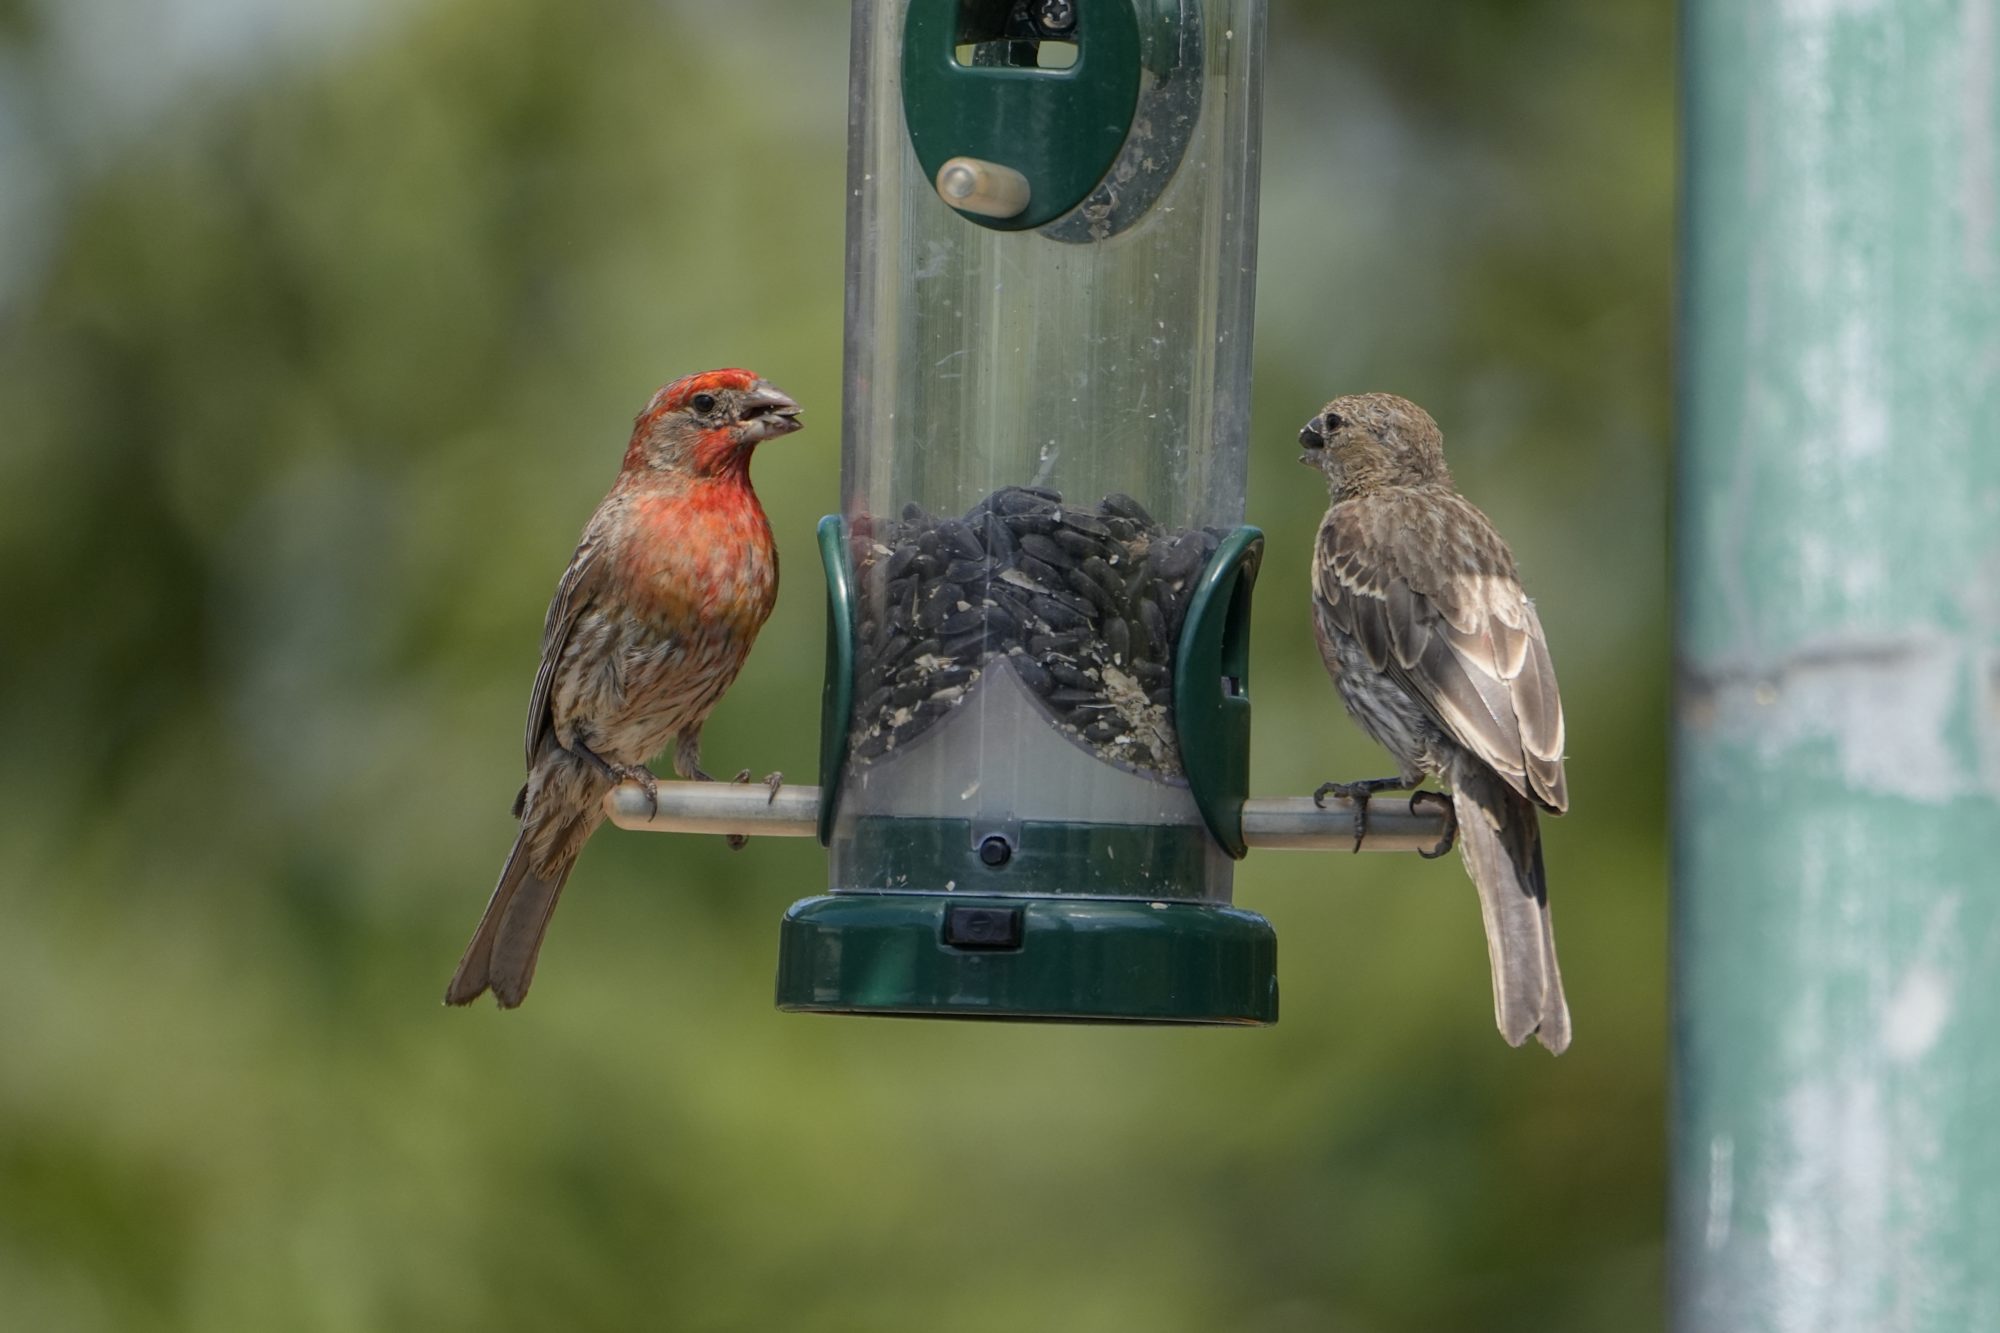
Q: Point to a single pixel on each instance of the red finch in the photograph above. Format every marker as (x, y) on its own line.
(1439, 655)
(674, 576)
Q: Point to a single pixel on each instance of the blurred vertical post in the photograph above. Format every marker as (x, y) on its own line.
(1836, 828)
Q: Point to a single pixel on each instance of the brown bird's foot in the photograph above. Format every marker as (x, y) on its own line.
(617, 774)
(774, 781)
(1450, 838)
(1359, 793)
(737, 841)
(649, 784)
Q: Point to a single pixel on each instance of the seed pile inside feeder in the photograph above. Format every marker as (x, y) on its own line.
(1084, 604)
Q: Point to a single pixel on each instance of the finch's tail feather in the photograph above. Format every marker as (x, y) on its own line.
(1501, 838)
(502, 954)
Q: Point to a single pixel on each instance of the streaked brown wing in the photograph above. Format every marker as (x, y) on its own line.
(573, 594)
(1438, 608)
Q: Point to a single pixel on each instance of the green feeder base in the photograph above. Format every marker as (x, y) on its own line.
(1064, 959)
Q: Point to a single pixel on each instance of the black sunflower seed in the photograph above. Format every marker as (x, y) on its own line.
(1020, 500)
(1100, 569)
(1058, 613)
(1079, 545)
(1047, 576)
(1032, 674)
(1117, 638)
(999, 539)
(961, 622)
(1082, 520)
(1126, 507)
(1039, 524)
(1046, 550)
(967, 571)
(1177, 558)
(1071, 676)
(1091, 591)
(956, 537)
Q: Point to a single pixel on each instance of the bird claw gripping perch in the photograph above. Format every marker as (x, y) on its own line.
(648, 783)
(773, 781)
(737, 841)
(1359, 793)
(618, 774)
(1449, 839)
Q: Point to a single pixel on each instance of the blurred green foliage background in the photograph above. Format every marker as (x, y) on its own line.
(321, 328)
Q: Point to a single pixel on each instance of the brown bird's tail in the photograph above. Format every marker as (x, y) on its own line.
(1501, 839)
(502, 953)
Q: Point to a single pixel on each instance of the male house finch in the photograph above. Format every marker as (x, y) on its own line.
(1439, 655)
(672, 580)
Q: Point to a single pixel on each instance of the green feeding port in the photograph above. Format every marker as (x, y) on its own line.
(1036, 715)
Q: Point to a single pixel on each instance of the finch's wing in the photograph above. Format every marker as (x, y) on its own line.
(579, 584)
(1432, 598)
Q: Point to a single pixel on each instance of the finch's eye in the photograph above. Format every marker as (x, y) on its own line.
(703, 403)
(1334, 421)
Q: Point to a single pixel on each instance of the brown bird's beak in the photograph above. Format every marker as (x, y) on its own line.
(767, 411)
(1312, 439)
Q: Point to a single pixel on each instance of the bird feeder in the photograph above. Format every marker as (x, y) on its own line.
(1035, 741)
(1036, 722)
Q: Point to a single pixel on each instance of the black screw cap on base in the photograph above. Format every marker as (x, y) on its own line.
(983, 927)
(996, 851)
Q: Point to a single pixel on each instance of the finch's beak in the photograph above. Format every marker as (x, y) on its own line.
(766, 412)
(1312, 439)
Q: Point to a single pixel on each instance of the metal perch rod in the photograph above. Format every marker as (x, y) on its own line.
(1284, 823)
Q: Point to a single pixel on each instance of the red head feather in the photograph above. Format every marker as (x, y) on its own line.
(707, 423)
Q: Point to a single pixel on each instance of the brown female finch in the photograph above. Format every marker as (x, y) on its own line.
(672, 580)
(1439, 655)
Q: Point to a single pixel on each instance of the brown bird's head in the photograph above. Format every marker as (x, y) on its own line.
(1366, 441)
(706, 425)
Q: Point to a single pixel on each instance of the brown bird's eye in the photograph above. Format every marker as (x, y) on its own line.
(1334, 421)
(703, 403)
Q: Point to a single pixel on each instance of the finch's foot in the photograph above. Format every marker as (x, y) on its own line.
(774, 781)
(1450, 838)
(649, 784)
(617, 774)
(1359, 793)
(737, 841)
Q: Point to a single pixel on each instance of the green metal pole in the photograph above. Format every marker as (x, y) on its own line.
(1837, 787)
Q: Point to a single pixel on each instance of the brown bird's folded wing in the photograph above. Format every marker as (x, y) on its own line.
(1446, 618)
(579, 583)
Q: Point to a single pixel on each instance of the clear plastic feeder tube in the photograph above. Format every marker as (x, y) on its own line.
(1045, 437)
